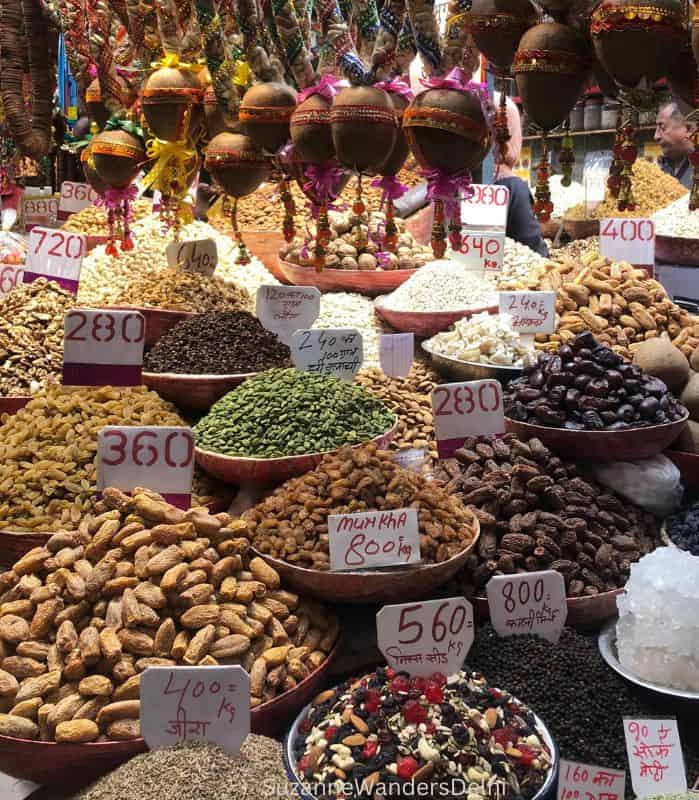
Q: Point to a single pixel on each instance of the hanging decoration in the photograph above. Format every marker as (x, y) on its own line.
(566, 157)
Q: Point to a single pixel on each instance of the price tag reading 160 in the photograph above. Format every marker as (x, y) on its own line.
(472, 408)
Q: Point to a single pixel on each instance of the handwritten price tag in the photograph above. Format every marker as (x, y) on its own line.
(56, 255)
(161, 458)
(204, 704)
(199, 255)
(286, 309)
(38, 211)
(103, 348)
(631, 240)
(655, 756)
(14, 788)
(534, 602)
(586, 782)
(481, 250)
(472, 408)
(75, 197)
(11, 276)
(371, 539)
(487, 206)
(329, 351)
(424, 638)
(396, 352)
(531, 312)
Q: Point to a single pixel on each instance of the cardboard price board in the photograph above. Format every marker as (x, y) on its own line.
(486, 206)
(655, 756)
(531, 312)
(481, 250)
(328, 351)
(578, 781)
(286, 309)
(198, 255)
(75, 197)
(57, 256)
(371, 539)
(396, 353)
(37, 211)
(471, 408)
(631, 240)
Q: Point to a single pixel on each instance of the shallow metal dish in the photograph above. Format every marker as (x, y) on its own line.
(470, 370)
(607, 647)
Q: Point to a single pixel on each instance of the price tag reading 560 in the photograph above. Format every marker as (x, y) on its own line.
(161, 458)
(472, 408)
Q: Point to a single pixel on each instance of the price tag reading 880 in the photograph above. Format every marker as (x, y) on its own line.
(424, 638)
(472, 408)
(161, 458)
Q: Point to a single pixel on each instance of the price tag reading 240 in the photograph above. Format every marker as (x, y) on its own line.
(56, 255)
(161, 458)
(424, 638)
(103, 347)
(472, 408)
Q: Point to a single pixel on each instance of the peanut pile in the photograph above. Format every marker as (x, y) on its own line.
(141, 584)
(93, 220)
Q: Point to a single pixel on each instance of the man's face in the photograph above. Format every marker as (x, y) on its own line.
(672, 135)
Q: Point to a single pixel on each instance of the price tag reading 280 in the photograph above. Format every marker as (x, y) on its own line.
(160, 458)
(472, 408)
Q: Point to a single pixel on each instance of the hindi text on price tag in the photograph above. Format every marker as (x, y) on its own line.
(471, 408)
(286, 309)
(587, 782)
(531, 312)
(328, 351)
(534, 602)
(370, 539)
(655, 756)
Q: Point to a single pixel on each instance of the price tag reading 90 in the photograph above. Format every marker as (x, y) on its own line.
(472, 408)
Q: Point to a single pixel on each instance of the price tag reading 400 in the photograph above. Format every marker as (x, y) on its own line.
(161, 458)
(56, 255)
(424, 638)
(631, 240)
(103, 347)
(472, 408)
(481, 250)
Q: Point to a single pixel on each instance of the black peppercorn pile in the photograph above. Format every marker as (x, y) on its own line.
(218, 343)
(683, 529)
(587, 386)
(578, 697)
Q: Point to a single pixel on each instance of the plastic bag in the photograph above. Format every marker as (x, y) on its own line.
(653, 484)
(13, 248)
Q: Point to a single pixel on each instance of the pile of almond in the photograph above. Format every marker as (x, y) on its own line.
(141, 584)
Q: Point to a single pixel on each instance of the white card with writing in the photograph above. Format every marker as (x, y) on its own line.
(75, 197)
(481, 250)
(11, 276)
(426, 637)
(531, 312)
(14, 788)
(470, 408)
(204, 704)
(396, 353)
(655, 756)
(286, 309)
(328, 351)
(486, 206)
(37, 211)
(197, 255)
(370, 539)
(578, 781)
(56, 255)
(627, 239)
(532, 602)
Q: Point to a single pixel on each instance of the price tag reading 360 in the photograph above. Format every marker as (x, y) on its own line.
(56, 255)
(75, 197)
(472, 408)
(161, 458)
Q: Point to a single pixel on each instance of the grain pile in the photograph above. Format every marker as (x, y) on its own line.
(92, 220)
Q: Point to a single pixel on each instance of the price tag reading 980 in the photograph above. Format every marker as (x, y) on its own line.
(486, 206)
(159, 458)
(472, 408)
(56, 255)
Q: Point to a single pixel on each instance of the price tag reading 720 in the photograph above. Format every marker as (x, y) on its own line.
(424, 638)
(56, 255)
(472, 408)
(160, 458)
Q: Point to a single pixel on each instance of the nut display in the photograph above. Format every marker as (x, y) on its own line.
(458, 737)
(538, 511)
(141, 583)
(677, 220)
(521, 266)
(291, 523)
(286, 412)
(219, 343)
(484, 338)
(577, 250)
(31, 336)
(683, 529)
(587, 386)
(92, 220)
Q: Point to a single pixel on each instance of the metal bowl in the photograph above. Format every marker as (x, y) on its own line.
(198, 392)
(470, 370)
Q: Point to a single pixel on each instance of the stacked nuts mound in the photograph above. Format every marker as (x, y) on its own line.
(539, 512)
(142, 584)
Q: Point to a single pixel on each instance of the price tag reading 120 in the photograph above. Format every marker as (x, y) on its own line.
(103, 347)
(472, 408)
(424, 638)
(631, 240)
(161, 458)
(56, 255)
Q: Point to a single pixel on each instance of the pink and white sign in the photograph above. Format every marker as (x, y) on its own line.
(370, 539)
(471, 408)
(55, 255)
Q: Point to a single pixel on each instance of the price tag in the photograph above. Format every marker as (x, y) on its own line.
(286, 309)
(631, 240)
(586, 782)
(56, 255)
(371, 539)
(424, 638)
(481, 250)
(471, 408)
(11, 276)
(103, 347)
(200, 255)
(38, 211)
(75, 197)
(534, 602)
(15, 789)
(329, 351)
(531, 312)
(161, 458)
(486, 207)
(396, 352)
(655, 756)
(203, 704)
(412, 458)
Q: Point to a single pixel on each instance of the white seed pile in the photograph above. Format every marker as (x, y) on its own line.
(677, 220)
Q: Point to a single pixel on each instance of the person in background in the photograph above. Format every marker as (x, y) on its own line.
(674, 136)
(522, 225)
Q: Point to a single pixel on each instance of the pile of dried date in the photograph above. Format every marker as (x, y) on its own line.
(539, 512)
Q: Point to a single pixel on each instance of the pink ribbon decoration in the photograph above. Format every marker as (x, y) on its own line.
(328, 86)
(391, 188)
(447, 188)
(323, 179)
(397, 86)
(457, 79)
(114, 198)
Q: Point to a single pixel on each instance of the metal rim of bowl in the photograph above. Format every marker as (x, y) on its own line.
(458, 362)
(627, 431)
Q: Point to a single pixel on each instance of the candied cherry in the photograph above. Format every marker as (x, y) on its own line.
(433, 692)
(305, 726)
(390, 672)
(430, 729)
(400, 683)
(406, 767)
(372, 700)
(528, 755)
(414, 713)
(418, 683)
(439, 678)
(304, 763)
(331, 732)
(369, 749)
(495, 694)
(504, 736)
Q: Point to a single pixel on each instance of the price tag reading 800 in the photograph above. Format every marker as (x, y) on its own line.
(56, 255)
(161, 458)
(472, 408)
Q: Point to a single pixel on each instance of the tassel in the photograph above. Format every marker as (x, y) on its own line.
(289, 210)
(438, 241)
(629, 151)
(243, 256)
(542, 194)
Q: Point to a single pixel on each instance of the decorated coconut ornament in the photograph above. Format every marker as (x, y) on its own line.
(171, 99)
(311, 134)
(497, 26)
(238, 166)
(448, 130)
(265, 112)
(91, 176)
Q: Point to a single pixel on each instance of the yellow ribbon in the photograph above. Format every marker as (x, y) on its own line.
(174, 156)
(241, 73)
(172, 61)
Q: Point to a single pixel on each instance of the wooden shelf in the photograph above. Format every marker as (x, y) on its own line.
(603, 132)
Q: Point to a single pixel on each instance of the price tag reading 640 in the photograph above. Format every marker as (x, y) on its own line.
(472, 408)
